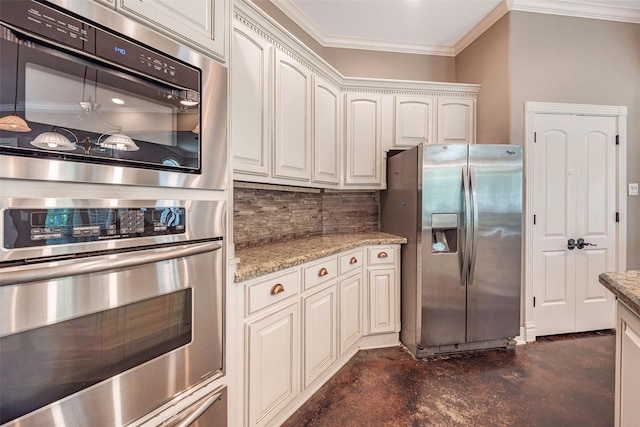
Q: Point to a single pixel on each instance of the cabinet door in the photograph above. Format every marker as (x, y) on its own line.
(292, 145)
(350, 311)
(414, 117)
(382, 300)
(320, 326)
(273, 356)
(326, 132)
(456, 121)
(201, 22)
(250, 103)
(364, 159)
(627, 369)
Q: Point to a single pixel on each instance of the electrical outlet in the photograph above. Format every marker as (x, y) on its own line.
(633, 189)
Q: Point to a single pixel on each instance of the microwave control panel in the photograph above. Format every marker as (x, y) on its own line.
(56, 226)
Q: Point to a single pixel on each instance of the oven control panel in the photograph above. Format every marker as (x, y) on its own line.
(57, 226)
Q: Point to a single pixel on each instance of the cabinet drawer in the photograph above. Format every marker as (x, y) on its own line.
(350, 261)
(320, 272)
(270, 291)
(382, 255)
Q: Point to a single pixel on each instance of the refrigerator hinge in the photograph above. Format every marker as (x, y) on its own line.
(534, 219)
(617, 139)
(617, 216)
(534, 301)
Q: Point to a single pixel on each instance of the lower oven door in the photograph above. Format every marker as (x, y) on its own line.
(104, 340)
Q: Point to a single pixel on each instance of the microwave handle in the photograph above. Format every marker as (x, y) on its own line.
(89, 265)
(201, 409)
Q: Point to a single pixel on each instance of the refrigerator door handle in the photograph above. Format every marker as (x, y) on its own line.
(467, 231)
(474, 248)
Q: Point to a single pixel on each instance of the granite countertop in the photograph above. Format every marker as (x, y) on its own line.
(270, 258)
(626, 286)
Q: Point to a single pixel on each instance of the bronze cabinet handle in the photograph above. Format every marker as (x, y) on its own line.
(323, 272)
(277, 289)
(382, 255)
(353, 260)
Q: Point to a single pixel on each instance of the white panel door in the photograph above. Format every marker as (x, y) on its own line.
(414, 117)
(199, 21)
(350, 321)
(273, 363)
(326, 132)
(456, 121)
(364, 146)
(320, 330)
(574, 197)
(292, 145)
(250, 113)
(382, 300)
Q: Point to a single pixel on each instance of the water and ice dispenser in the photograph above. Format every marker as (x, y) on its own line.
(444, 232)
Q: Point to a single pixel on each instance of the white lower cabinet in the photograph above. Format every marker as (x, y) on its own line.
(383, 290)
(627, 393)
(303, 323)
(320, 329)
(273, 356)
(350, 297)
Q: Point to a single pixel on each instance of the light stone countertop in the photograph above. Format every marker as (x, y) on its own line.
(626, 286)
(261, 260)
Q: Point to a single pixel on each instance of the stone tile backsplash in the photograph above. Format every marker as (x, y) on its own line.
(262, 216)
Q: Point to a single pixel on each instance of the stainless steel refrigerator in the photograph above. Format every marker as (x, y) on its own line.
(460, 207)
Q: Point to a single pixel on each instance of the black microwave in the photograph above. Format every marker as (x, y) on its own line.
(85, 101)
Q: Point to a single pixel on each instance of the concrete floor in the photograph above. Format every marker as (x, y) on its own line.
(557, 381)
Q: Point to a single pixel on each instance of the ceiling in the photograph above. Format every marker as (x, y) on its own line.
(436, 27)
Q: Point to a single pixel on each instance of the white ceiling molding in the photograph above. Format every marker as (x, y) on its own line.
(344, 42)
(611, 11)
(386, 46)
(580, 9)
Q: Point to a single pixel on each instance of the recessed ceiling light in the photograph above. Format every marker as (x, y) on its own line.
(117, 101)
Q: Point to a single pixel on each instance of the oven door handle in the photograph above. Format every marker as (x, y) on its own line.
(88, 266)
(198, 411)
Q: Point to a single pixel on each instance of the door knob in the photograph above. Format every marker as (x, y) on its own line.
(571, 244)
(581, 243)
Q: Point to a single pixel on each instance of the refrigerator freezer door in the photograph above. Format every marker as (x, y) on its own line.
(442, 292)
(493, 292)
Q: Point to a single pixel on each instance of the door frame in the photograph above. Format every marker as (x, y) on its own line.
(528, 330)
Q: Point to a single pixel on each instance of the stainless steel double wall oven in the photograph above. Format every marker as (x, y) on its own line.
(113, 169)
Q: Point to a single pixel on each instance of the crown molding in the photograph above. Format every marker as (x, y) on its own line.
(570, 8)
(578, 9)
(326, 40)
(387, 46)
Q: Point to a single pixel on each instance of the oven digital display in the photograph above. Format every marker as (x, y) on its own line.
(45, 227)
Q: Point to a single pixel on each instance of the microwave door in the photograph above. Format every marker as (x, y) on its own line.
(92, 105)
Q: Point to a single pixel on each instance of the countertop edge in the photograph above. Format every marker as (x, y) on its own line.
(323, 249)
(620, 284)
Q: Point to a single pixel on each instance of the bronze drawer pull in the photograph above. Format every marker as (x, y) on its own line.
(323, 272)
(353, 260)
(277, 289)
(382, 255)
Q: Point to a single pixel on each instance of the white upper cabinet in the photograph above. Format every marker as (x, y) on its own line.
(433, 119)
(414, 121)
(250, 118)
(456, 120)
(327, 127)
(292, 124)
(201, 23)
(364, 158)
(296, 121)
